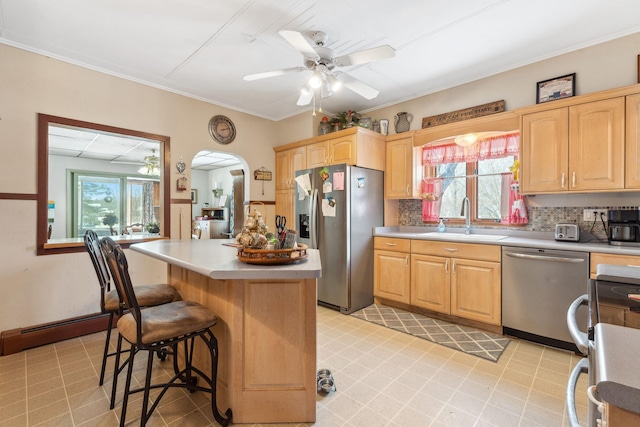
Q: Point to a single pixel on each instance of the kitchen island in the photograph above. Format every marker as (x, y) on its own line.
(267, 327)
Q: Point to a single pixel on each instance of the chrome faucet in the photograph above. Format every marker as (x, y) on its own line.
(467, 215)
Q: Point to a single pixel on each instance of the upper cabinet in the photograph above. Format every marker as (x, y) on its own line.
(287, 163)
(632, 176)
(403, 177)
(355, 146)
(575, 148)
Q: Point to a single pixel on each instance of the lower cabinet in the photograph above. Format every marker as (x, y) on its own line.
(391, 269)
(458, 279)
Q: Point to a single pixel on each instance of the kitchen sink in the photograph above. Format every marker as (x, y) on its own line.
(473, 237)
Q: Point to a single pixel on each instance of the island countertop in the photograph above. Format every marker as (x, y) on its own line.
(211, 258)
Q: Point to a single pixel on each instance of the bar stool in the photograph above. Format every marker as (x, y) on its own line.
(110, 302)
(152, 328)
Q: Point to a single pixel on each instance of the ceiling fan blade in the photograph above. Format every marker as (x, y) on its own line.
(305, 97)
(298, 41)
(364, 56)
(357, 86)
(266, 74)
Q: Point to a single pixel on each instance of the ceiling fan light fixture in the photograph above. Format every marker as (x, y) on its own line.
(336, 84)
(151, 165)
(316, 80)
(325, 89)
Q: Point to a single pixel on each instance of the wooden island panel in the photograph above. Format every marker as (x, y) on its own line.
(267, 343)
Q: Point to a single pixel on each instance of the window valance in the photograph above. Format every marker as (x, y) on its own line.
(487, 148)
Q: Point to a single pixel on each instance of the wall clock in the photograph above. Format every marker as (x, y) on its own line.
(222, 129)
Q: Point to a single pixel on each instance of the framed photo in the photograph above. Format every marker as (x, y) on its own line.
(194, 196)
(384, 127)
(557, 88)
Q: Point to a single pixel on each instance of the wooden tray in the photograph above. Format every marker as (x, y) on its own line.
(272, 257)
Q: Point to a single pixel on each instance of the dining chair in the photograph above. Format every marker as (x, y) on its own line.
(152, 328)
(110, 302)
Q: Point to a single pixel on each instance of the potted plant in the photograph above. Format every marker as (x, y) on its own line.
(345, 119)
(110, 219)
(153, 227)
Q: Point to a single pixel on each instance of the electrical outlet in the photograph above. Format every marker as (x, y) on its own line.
(587, 214)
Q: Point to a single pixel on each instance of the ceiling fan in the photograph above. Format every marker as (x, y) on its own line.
(323, 63)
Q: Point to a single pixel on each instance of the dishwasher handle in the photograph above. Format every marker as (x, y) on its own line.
(580, 338)
(544, 257)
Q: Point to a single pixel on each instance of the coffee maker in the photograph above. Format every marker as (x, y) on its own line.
(624, 227)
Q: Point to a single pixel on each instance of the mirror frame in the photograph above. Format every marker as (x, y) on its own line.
(43, 178)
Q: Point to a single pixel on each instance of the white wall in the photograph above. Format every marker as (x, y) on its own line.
(39, 289)
(36, 290)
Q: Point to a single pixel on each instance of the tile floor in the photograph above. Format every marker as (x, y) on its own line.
(383, 378)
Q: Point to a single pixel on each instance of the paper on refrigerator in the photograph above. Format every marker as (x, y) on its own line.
(304, 182)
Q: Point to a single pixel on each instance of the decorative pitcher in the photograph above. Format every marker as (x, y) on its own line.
(402, 122)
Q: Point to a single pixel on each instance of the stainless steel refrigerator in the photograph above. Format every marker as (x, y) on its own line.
(337, 208)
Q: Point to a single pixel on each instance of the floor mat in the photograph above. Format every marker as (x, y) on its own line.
(474, 341)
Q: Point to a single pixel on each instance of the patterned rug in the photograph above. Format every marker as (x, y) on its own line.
(459, 337)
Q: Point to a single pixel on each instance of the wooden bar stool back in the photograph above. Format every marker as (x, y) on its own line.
(153, 328)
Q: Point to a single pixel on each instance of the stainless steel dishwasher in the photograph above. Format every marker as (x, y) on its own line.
(538, 286)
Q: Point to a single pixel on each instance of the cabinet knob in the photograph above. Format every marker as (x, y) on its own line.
(573, 179)
(406, 261)
(562, 179)
(451, 249)
(407, 189)
(391, 244)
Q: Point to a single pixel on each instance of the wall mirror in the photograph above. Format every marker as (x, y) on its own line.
(93, 176)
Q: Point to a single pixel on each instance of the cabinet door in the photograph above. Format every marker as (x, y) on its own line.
(343, 150)
(596, 145)
(297, 161)
(632, 142)
(283, 169)
(391, 277)
(430, 283)
(317, 154)
(545, 151)
(398, 175)
(285, 206)
(476, 290)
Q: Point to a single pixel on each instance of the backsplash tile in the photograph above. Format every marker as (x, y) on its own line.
(540, 218)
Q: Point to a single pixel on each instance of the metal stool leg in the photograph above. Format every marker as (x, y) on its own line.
(127, 387)
(105, 355)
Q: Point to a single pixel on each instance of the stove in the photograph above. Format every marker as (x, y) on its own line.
(614, 298)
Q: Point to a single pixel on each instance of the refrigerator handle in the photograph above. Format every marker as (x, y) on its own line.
(313, 219)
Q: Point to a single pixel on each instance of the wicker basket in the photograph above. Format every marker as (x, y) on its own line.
(272, 257)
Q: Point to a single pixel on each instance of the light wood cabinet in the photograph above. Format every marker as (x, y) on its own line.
(355, 146)
(287, 163)
(457, 278)
(632, 142)
(615, 259)
(391, 269)
(403, 171)
(618, 417)
(435, 293)
(574, 148)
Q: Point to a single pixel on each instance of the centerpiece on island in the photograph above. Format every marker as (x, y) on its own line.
(256, 245)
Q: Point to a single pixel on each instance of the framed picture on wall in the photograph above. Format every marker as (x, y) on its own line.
(194, 196)
(557, 88)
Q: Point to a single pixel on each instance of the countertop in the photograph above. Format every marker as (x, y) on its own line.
(527, 239)
(213, 259)
(617, 373)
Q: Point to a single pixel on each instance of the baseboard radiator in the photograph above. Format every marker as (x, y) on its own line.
(15, 340)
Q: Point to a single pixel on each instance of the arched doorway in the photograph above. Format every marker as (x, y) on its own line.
(215, 191)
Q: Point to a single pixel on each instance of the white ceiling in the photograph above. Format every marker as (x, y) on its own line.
(204, 48)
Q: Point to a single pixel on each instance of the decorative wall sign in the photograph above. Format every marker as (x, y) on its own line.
(181, 184)
(557, 88)
(262, 175)
(464, 114)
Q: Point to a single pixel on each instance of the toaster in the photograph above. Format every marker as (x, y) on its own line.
(567, 232)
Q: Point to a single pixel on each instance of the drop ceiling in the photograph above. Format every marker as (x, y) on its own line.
(202, 49)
